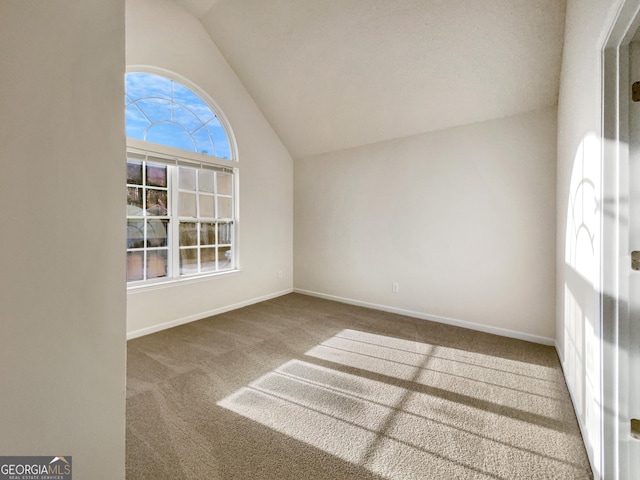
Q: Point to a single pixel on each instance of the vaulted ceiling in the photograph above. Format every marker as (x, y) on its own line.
(335, 74)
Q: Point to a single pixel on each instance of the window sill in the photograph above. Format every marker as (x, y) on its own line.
(173, 282)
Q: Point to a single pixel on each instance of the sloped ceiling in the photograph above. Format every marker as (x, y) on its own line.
(335, 74)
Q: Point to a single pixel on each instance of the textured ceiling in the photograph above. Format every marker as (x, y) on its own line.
(334, 74)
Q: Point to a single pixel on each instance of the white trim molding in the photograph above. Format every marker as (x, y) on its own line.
(503, 332)
(199, 316)
(618, 457)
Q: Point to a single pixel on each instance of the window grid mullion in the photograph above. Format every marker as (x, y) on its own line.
(174, 240)
(144, 229)
(199, 253)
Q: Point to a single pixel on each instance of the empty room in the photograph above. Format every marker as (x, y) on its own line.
(329, 239)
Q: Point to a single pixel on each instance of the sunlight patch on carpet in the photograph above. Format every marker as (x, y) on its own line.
(405, 409)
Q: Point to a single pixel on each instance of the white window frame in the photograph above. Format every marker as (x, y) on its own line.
(174, 158)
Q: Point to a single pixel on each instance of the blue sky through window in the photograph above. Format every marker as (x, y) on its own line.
(160, 110)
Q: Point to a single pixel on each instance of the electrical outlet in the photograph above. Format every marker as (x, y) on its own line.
(395, 287)
(280, 275)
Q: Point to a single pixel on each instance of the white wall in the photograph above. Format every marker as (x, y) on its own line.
(462, 219)
(162, 34)
(62, 347)
(579, 214)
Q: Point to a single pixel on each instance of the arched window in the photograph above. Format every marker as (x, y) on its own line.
(181, 200)
(162, 111)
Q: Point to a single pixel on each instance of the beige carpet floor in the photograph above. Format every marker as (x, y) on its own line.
(302, 388)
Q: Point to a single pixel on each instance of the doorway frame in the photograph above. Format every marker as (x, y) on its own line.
(615, 256)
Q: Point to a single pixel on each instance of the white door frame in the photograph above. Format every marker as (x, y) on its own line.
(615, 255)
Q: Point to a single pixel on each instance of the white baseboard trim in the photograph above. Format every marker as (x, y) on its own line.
(435, 318)
(199, 316)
